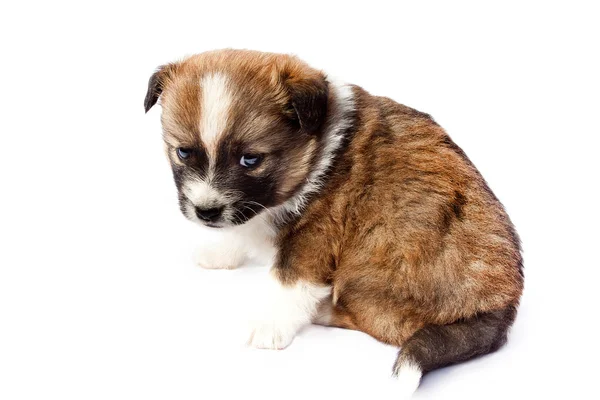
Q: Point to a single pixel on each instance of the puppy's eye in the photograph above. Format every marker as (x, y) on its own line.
(184, 154)
(250, 160)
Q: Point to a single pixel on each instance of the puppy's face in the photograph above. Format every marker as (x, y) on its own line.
(241, 129)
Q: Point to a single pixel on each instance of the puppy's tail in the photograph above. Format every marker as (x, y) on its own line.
(437, 346)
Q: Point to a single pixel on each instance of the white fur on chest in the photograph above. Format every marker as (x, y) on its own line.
(228, 248)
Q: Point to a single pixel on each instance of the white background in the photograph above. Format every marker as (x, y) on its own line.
(99, 298)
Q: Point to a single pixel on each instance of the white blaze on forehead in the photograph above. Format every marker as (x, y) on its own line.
(216, 103)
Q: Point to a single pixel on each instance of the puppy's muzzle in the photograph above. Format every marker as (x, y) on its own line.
(209, 214)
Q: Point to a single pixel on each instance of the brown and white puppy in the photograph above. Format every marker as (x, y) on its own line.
(375, 220)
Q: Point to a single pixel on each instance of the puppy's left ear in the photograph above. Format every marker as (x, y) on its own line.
(156, 85)
(308, 97)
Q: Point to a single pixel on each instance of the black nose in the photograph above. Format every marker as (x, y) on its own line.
(209, 214)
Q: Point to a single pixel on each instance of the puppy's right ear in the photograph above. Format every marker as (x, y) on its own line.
(156, 85)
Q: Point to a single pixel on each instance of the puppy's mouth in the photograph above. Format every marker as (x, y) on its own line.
(213, 224)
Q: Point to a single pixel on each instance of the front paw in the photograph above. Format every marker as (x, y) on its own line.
(271, 335)
(217, 257)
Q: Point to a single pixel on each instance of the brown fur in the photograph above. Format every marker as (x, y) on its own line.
(406, 230)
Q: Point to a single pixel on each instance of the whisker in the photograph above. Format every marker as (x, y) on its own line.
(235, 215)
(261, 216)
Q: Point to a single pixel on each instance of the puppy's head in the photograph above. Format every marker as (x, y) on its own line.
(242, 130)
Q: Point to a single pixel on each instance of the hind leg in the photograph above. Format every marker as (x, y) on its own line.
(330, 314)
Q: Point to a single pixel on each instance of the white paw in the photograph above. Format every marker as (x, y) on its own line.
(282, 311)
(271, 335)
(218, 257)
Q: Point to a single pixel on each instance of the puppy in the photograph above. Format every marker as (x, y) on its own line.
(374, 218)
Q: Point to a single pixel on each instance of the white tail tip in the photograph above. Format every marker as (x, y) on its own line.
(408, 379)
